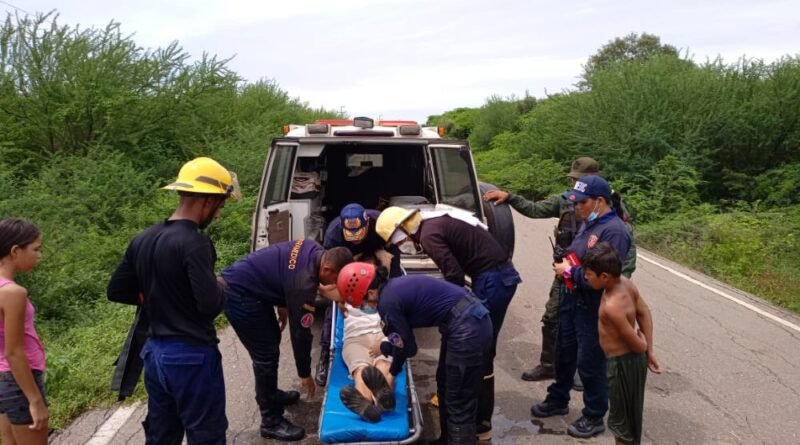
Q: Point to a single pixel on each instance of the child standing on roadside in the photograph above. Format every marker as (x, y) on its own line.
(23, 406)
(629, 351)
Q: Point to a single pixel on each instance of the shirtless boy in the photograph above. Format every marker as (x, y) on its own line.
(629, 351)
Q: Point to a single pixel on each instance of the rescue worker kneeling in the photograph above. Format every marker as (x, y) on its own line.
(417, 301)
(286, 276)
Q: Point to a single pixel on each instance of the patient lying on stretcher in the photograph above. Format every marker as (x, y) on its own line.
(373, 392)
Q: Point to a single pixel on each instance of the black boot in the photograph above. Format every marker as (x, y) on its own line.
(461, 434)
(283, 430)
(545, 369)
(357, 403)
(443, 418)
(321, 376)
(483, 427)
(376, 382)
(287, 398)
(270, 403)
(548, 409)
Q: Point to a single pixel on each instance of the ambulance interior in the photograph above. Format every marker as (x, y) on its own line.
(375, 176)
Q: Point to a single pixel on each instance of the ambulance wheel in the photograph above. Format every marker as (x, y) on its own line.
(499, 220)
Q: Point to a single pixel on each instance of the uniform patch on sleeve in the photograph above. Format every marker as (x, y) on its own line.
(396, 340)
(307, 320)
(592, 240)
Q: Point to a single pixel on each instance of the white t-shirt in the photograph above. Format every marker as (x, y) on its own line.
(358, 322)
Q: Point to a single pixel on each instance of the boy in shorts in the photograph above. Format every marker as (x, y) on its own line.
(628, 350)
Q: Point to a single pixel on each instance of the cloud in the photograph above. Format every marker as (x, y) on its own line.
(395, 56)
(442, 86)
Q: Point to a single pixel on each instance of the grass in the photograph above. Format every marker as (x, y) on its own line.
(758, 252)
(80, 361)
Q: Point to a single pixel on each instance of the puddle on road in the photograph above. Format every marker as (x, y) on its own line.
(502, 426)
(542, 430)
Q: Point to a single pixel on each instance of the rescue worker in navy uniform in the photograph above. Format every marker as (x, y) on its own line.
(556, 206)
(417, 301)
(284, 275)
(355, 230)
(578, 342)
(460, 245)
(168, 270)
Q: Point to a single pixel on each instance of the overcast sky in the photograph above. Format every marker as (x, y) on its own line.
(406, 59)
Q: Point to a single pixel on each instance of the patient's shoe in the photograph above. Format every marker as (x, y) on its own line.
(376, 382)
(357, 403)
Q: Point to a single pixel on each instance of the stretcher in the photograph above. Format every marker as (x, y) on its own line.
(339, 425)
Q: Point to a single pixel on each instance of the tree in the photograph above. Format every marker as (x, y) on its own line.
(458, 123)
(628, 48)
(496, 116)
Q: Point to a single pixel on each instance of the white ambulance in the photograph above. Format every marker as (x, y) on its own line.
(316, 169)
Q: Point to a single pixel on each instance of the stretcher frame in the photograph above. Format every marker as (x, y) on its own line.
(414, 414)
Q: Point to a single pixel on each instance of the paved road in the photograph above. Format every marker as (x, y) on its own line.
(731, 374)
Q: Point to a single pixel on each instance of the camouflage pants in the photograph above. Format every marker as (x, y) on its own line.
(550, 317)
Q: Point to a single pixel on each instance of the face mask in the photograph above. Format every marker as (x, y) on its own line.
(407, 247)
(593, 216)
(369, 310)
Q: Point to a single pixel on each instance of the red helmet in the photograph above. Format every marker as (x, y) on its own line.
(353, 282)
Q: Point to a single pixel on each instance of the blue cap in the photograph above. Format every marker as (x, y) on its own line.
(590, 186)
(354, 222)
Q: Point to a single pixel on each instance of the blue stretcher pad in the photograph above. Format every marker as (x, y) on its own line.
(340, 425)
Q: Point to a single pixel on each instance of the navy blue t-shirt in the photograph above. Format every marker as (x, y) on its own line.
(414, 301)
(283, 274)
(607, 228)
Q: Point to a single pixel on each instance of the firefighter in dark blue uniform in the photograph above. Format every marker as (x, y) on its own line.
(577, 343)
(355, 230)
(416, 301)
(284, 275)
(460, 245)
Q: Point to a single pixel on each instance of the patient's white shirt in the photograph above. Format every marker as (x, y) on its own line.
(358, 322)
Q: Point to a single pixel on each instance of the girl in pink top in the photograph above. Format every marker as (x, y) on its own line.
(23, 407)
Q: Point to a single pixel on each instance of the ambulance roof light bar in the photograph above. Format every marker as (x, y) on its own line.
(363, 122)
(395, 123)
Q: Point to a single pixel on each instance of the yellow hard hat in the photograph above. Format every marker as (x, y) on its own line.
(393, 218)
(206, 176)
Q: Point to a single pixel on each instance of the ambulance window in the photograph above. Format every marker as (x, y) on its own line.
(280, 173)
(454, 177)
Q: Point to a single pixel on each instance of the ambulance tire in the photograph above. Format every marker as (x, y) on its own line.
(500, 220)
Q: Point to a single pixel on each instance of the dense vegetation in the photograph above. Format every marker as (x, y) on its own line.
(708, 156)
(92, 126)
